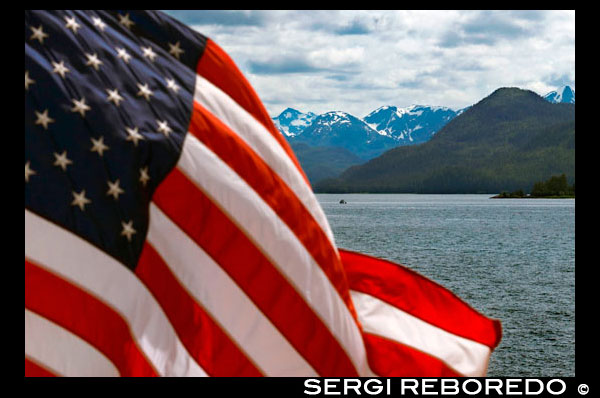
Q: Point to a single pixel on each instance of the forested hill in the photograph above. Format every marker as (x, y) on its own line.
(323, 162)
(507, 141)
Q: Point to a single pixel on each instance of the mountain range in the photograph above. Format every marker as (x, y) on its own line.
(412, 125)
(350, 140)
(507, 141)
(384, 128)
(341, 129)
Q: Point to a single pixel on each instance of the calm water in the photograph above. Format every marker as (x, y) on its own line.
(512, 259)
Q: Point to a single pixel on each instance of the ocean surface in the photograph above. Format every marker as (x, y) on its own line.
(511, 259)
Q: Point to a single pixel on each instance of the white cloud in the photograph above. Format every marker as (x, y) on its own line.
(336, 57)
(356, 61)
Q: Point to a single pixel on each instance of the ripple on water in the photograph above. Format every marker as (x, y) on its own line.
(513, 260)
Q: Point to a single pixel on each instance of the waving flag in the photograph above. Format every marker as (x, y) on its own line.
(169, 229)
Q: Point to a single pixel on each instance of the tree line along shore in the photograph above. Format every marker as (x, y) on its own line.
(555, 187)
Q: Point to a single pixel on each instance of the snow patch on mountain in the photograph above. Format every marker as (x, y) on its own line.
(410, 125)
(564, 94)
(292, 122)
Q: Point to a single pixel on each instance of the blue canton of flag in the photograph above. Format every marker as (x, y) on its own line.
(108, 98)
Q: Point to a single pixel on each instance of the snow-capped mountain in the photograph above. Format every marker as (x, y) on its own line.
(412, 125)
(563, 95)
(292, 122)
(382, 129)
(340, 129)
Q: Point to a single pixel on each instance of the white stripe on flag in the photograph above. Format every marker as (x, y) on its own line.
(275, 240)
(63, 352)
(77, 261)
(262, 142)
(377, 317)
(224, 300)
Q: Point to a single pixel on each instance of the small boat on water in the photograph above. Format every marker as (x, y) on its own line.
(343, 202)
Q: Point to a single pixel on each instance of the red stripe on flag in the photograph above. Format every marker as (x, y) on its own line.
(413, 293)
(200, 334)
(218, 68)
(33, 369)
(205, 223)
(274, 191)
(85, 316)
(388, 358)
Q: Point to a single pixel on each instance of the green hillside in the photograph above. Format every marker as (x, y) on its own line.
(508, 141)
(323, 162)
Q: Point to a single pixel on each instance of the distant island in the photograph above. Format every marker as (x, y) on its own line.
(554, 188)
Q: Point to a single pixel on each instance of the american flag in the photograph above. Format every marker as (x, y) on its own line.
(170, 231)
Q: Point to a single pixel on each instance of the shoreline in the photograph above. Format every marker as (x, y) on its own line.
(533, 197)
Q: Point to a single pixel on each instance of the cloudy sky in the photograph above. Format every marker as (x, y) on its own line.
(357, 61)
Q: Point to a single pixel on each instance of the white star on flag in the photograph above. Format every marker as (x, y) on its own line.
(72, 24)
(175, 50)
(93, 61)
(62, 161)
(134, 135)
(43, 119)
(114, 189)
(98, 145)
(28, 80)
(114, 96)
(172, 85)
(80, 106)
(144, 177)
(99, 23)
(60, 68)
(144, 91)
(128, 230)
(80, 200)
(38, 34)
(28, 171)
(149, 53)
(163, 127)
(123, 54)
(125, 21)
